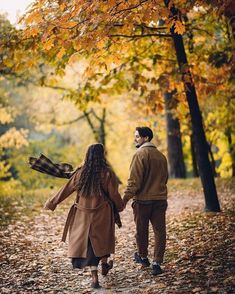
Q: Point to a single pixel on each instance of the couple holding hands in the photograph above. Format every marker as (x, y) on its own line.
(90, 223)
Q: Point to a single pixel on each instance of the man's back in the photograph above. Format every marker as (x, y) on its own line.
(155, 174)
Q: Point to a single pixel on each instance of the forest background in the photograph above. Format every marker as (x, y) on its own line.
(79, 72)
(68, 81)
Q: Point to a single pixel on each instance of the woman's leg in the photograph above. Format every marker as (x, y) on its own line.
(94, 276)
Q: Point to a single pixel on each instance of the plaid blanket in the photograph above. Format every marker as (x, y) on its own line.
(64, 170)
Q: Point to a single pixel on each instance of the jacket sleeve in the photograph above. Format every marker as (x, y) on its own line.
(62, 194)
(136, 177)
(113, 191)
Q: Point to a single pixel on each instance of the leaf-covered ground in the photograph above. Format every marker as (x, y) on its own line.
(199, 256)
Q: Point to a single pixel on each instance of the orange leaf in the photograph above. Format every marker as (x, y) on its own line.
(61, 53)
(48, 45)
(179, 27)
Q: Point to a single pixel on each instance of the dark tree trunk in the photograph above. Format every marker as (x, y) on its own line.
(231, 146)
(102, 135)
(212, 160)
(194, 161)
(229, 12)
(174, 143)
(205, 171)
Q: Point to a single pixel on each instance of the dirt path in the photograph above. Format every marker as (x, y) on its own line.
(34, 261)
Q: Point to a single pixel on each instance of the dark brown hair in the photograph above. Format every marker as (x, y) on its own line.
(145, 132)
(95, 163)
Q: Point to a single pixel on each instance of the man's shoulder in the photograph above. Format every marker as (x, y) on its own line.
(142, 152)
(149, 151)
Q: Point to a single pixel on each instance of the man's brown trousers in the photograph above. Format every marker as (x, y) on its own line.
(155, 212)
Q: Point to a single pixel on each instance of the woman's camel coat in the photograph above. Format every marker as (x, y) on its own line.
(90, 217)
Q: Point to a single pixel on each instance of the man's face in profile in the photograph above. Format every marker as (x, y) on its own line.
(139, 140)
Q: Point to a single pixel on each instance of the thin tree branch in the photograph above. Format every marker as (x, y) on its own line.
(141, 36)
(86, 114)
(72, 121)
(56, 87)
(150, 28)
(95, 115)
(129, 8)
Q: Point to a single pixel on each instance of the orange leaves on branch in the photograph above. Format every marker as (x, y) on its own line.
(61, 53)
(179, 27)
(62, 5)
(100, 44)
(48, 44)
(154, 102)
(33, 17)
(33, 31)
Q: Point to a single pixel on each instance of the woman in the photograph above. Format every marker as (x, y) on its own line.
(90, 222)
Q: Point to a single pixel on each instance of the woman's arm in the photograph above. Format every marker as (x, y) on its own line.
(113, 191)
(62, 194)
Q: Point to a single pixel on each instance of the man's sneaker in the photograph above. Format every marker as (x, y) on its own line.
(142, 260)
(106, 267)
(156, 269)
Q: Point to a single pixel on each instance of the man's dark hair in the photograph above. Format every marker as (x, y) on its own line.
(145, 132)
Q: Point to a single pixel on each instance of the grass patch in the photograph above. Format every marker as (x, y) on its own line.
(20, 203)
(194, 184)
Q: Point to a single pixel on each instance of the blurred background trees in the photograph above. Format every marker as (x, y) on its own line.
(68, 80)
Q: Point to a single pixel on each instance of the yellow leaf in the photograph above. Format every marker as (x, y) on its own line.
(5, 117)
(34, 31)
(62, 6)
(179, 27)
(31, 32)
(116, 59)
(48, 45)
(77, 45)
(60, 72)
(100, 44)
(74, 58)
(34, 17)
(61, 53)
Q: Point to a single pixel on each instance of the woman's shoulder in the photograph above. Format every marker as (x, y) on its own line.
(76, 172)
(106, 172)
(110, 175)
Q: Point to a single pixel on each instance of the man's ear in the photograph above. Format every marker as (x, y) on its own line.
(146, 139)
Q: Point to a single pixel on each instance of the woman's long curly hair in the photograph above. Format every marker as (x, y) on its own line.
(95, 163)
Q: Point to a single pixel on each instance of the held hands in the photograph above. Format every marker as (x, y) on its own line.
(124, 203)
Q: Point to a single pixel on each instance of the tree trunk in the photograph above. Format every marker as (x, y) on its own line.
(212, 160)
(102, 135)
(98, 131)
(194, 162)
(205, 171)
(231, 146)
(229, 12)
(174, 143)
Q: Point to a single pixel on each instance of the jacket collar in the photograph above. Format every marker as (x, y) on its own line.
(147, 144)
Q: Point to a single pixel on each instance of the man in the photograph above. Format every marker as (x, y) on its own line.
(147, 186)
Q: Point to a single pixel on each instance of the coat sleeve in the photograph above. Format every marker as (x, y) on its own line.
(113, 191)
(136, 177)
(62, 194)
